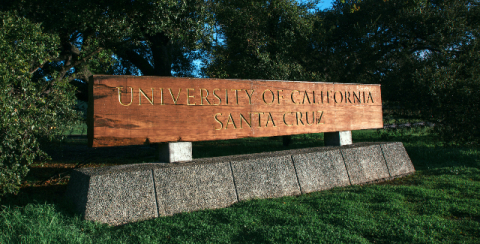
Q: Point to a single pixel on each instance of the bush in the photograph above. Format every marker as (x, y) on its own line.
(455, 89)
(31, 109)
(443, 89)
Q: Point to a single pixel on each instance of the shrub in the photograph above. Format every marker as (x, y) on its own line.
(31, 109)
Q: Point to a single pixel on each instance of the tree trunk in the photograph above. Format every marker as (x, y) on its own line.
(162, 61)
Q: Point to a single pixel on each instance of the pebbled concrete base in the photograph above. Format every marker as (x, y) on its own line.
(115, 197)
(127, 193)
(193, 187)
(320, 170)
(365, 164)
(397, 159)
(265, 177)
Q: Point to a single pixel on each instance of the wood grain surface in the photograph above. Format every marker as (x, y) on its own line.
(132, 110)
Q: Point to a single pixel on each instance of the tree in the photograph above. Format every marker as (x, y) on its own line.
(262, 40)
(424, 53)
(124, 37)
(29, 110)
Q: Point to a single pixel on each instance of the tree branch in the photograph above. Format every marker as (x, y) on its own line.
(139, 61)
(84, 59)
(66, 68)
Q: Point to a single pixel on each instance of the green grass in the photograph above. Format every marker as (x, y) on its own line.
(440, 203)
(78, 129)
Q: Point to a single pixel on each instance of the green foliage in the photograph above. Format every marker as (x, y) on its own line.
(262, 40)
(451, 90)
(146, 37)
(441, 83)
(29, 110)
(425, 54)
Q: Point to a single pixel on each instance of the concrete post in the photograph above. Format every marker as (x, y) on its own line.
(172, 152)
(339, 138)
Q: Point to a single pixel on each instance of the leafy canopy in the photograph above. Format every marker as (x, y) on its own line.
(30, 110)
(262, 40)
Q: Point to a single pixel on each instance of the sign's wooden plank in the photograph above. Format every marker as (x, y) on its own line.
(128, 110)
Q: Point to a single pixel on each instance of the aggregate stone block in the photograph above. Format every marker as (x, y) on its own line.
(128, 193)
(265, 177)
(397, 159)
(193, 187)
(320, 170)
(113, 197)
(365, 164)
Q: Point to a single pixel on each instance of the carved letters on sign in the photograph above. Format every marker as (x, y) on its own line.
(126, 110)
(355, 96)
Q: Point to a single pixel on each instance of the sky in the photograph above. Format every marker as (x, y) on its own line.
(325, 4)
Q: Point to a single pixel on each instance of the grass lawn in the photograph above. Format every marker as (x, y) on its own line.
(439, 203)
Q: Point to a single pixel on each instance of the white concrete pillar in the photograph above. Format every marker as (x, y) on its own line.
(338, 138)
(172, 152)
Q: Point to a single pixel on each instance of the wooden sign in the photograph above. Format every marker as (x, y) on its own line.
(130, 110)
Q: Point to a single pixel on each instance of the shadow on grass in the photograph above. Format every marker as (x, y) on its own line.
(254, 145)
(429, 158)
(424, 148)
(36, 194)
(74, 153)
